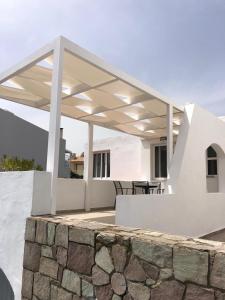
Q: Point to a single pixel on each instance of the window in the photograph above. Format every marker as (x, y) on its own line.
(211, 162)
(101, 164)
(160, 161)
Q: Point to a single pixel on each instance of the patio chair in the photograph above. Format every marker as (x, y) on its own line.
(120, 190)
(160, 189)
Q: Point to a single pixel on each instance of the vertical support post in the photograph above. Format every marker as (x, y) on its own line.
(54, 122)
(89, 168)
(169, 136)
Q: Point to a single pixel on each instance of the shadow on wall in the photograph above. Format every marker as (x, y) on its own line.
(6, 291)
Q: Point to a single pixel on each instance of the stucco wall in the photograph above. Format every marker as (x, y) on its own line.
(71, 194)
(18, 190)
(188, 209)
(129, 157)
(25, 140)
(65, 259)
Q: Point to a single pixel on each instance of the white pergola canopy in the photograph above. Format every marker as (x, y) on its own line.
(65, 79)
(92, 91)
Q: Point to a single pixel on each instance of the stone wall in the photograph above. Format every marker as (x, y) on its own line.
(67, 259)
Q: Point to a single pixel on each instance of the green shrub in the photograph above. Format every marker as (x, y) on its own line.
(9, 163)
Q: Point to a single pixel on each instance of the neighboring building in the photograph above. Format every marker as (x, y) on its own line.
(76, 164)
(27, 141)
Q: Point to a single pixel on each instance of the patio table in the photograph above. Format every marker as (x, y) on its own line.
(146, 186)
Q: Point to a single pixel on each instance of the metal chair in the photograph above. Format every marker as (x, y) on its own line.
(160, 190)
(120, 190)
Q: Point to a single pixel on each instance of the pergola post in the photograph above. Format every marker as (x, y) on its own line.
(88, 176)
(54, 122)
(169, 136)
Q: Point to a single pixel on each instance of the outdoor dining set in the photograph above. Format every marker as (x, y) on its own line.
(138, 187)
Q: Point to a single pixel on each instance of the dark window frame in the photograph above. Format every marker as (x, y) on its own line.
(101, 164)
(160, 161)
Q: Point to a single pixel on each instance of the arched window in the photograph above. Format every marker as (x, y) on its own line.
(211, 162)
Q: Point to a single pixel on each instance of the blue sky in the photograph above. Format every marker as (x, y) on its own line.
(177, 47)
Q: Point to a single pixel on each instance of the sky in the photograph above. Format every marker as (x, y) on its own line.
(177, 47)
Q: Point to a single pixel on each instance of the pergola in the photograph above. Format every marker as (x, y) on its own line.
(67, 80)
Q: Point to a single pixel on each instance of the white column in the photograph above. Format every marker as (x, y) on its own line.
(54, 122)
(89, 168)
(169, 136)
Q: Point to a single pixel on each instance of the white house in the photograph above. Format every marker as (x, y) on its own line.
(77, 84)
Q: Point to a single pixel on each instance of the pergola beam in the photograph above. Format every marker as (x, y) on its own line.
(28, 62)
(87, 88)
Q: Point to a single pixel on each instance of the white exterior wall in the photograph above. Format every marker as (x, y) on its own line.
(188, 208)
(21, 194)
(129, 157)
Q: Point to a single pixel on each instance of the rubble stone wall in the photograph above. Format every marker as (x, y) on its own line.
(68, 259)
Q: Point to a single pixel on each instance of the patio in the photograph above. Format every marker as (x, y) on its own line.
(67, 80)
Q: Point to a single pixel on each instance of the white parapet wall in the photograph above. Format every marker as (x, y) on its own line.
(21, 194)
(103, 194)
(71, 194)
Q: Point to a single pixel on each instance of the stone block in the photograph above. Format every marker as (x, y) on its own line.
(119, 255)
(194, 292)
(41, 232)
(138, 291)
(104, 292)
(99, 277)
(219, 295)
(151, 271)
(49, 267)
(87, 289)
(159, 254)
(165, 274)
(41, 286)
(173, 290)
(82, 236)
(51, 233)
(61, 256)
(61, 236)
(27, 284)
(134, 270)
(104, 260)
(46, 251)
(64, 295)
(54, 292)
(32, 254)
(118, 283)
(217, 277)
(150, 282)
(80, 258)
(106, 238)
(190, 265)
(71, 282)
(30, 230)
(116, 297)
(60, 294)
